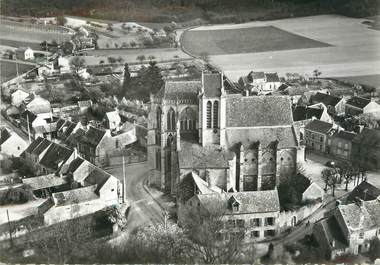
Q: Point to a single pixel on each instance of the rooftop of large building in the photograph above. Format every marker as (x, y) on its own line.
(248, 201)
(256, 111)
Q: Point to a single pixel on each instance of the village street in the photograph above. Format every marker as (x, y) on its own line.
(144, 209)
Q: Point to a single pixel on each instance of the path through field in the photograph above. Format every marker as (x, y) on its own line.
(353, 48)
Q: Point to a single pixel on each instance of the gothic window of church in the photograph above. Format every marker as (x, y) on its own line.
(216, 114)
(158, 118)
(208, 114)
(171, 120)
(158, 160)
(187, 119)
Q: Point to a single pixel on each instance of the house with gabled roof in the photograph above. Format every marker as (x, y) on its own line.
(56, 158)
(35, 151)
(18, 96)
(251, 215)
(317, 133)
(359, 105)
(259, 82)
(112, 120)
(365, 191)
(339, 144)
(335, 104)
(11, 144)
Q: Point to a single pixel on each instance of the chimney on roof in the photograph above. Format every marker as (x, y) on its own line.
(246, 92)
(333, 243)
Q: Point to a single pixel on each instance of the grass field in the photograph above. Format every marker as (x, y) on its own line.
(353, 47)
(8, 70)
(245, 40)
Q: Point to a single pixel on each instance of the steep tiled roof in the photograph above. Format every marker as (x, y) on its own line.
(41, 147)
(373, 208)
(55, 155)
(326, 99)
(358, 102)
(33, 145)
(75, 164)
(94, 135)
(364, 191)
(112, 116)
(329, 231)
(285, 136)
(249, 201)
(356, 217)
(272, 77)
(301, 113)
(345, 135)
(97, 177)
(256, 75)
(173, 90)
(5, 135)
(192, 155)
(368, 137)
(319, 126)
(257, 111)
(212, 84)
(29, 115)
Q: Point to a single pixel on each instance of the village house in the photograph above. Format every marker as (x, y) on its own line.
(334, 104)
(44, 125)
(259, 82)
(252, 215)
(11, 144)
(316, 135)
(364, 191)
(302, 115)
(98, 145)
(350, 229)
(37, 105)
(359, 105)
(24, 53)
(84, 105)
(112, 120)
(35, 151)
(366, 148)
(18, 96)
(340, 144)
(47, 157)
(45, 185)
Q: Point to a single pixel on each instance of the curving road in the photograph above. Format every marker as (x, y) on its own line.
(144, 209)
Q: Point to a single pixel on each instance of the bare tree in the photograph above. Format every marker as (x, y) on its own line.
(333, 182)
(141, 58)
(77, 63)
(326, 175)
(205, 229)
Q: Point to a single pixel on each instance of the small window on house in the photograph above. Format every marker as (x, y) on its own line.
(112, 189)
(18, 147)
(240, 223)
(255, 234)
(245, 160)
(255, 222)
(269, 221)
(253, 160)
(321, 139)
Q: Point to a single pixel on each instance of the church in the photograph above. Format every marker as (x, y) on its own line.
(233, 141)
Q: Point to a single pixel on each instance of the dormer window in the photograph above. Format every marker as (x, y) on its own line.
(235, 207)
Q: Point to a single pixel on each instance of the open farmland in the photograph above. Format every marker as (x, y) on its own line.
(367, 80)
(28, 36)
(245, 40)
(8, 70)
(352, 48)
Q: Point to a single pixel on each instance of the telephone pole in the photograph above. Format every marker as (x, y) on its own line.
(10, 230)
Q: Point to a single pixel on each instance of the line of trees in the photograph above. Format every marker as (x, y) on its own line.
(344, 172)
